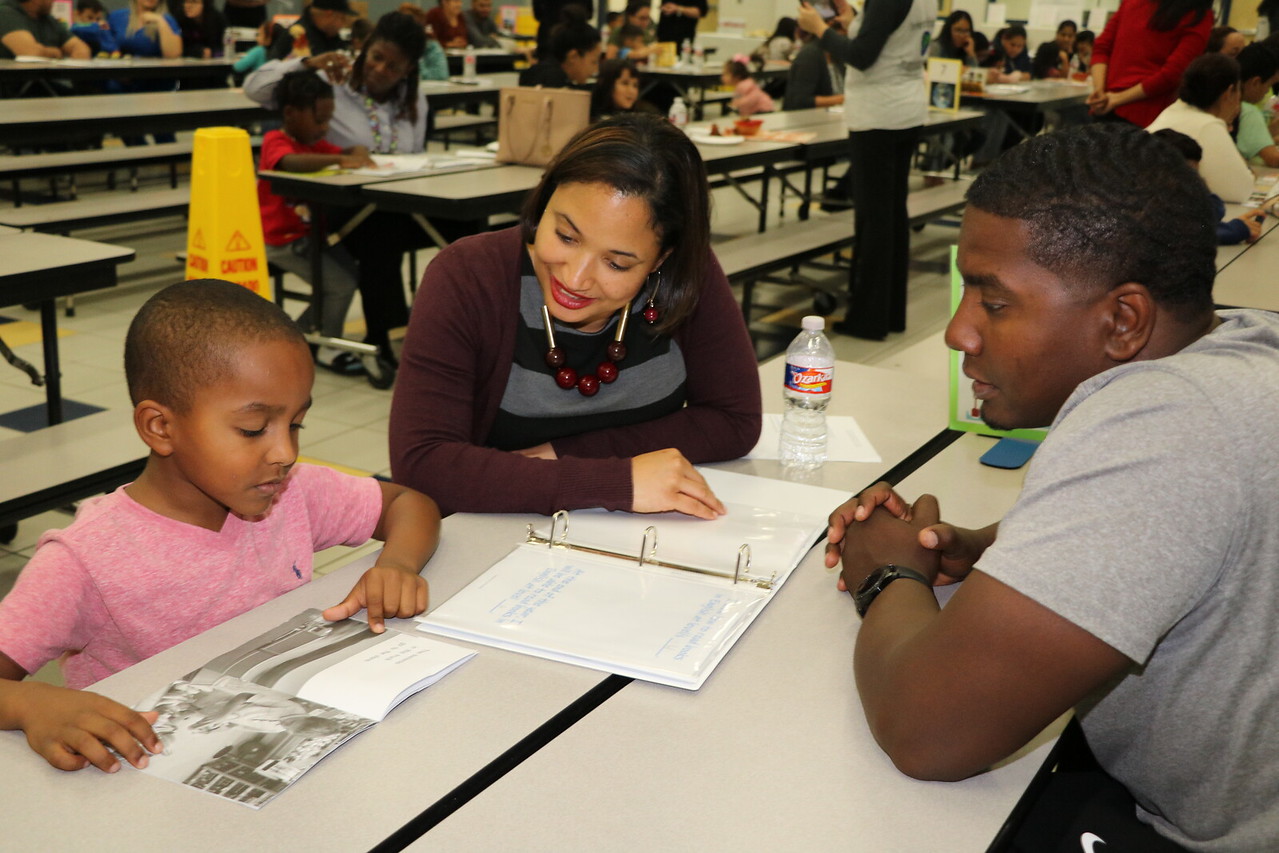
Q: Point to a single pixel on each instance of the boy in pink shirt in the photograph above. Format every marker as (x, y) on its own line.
(220, 521)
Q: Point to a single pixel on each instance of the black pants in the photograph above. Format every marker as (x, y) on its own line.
(378, 244)
(881, 246)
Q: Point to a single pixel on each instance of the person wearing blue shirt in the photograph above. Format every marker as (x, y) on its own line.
(91, 27)
(142, 31)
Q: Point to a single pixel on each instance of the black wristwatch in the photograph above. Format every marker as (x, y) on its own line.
(877, 580)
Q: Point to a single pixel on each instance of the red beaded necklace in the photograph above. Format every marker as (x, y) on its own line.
(588, 384)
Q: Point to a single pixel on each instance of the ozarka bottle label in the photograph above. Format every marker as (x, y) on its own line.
(809, 380)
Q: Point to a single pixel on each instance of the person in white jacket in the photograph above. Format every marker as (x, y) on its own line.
(1206, 105)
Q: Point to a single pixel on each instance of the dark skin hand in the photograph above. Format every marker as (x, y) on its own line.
(72, 729)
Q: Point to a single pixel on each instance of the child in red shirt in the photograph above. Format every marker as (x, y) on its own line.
(306, 106)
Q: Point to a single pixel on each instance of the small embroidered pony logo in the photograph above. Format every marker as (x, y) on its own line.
(297, 573)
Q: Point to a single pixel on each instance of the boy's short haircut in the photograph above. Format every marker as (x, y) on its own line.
(184, 338)
(1105, 204)
(1186, 145)
(361, 29)
(301, 89)
(1085, 37)
(1013, 31)
(629, 32)
(90, 6)
(1257, 60)
(1207, 78)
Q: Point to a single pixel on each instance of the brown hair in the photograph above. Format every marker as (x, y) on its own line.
(645, 157)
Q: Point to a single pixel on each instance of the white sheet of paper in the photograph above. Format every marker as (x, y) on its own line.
(845, 441)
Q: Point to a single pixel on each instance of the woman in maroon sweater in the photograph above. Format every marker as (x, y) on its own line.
(493, 412)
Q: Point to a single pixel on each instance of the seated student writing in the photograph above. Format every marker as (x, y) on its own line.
(306, 102)
(220, 521)
(1010, 62)
(1245, 226)
(1134, 579)
(1258, 71)
(1052, 58)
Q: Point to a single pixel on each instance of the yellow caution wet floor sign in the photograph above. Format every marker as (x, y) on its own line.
(224, 228)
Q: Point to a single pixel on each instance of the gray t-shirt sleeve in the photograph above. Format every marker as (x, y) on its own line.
(1125, 516)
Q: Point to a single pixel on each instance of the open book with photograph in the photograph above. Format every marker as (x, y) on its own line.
(248, 723)
(659, 597)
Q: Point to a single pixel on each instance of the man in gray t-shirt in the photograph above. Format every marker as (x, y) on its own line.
(1136, 578)
(27, 29)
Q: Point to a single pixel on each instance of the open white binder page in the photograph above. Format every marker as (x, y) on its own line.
(645, 621)
(845, 441)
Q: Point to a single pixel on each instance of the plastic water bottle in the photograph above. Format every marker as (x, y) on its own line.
(228, 44)
(810, 368)
(686, 54)
(679, 113)
(468, 63)
(699, 56)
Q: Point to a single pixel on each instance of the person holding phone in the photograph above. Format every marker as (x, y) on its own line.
(885, 107)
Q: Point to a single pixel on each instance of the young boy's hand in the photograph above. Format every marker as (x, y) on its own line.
(74, 728)
(386, 592)
(356, 157)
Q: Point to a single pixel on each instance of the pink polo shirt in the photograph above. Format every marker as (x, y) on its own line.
(122, 583)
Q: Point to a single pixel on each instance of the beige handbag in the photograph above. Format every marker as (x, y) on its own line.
(535, 123)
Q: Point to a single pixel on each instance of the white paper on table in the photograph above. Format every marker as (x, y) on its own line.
(395, 164)
(845, 441)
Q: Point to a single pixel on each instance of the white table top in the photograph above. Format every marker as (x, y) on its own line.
(1251, 279)
(773, 753)
(355, 797)
(770, 723)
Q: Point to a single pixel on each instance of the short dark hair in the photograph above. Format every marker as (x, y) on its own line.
(737, 69)
(89, 6)
(1257, 60)
(361, 29)
(1068, 23)
(1085, 37)
(301, 89)
(184, 338)
(626, 32)
(1012, 31)
(1108, 203)
(1217, 39)
(1207, 78)
(572, 33)
(633, 8)
(645, 157)
(407, 34)
(1185, 145)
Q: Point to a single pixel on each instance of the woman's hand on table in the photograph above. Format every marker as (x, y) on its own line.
(664, 480)
(334, 63)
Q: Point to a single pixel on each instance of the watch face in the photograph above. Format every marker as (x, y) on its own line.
(870, 588)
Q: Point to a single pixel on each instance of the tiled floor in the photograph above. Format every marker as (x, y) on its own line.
(348, 422)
